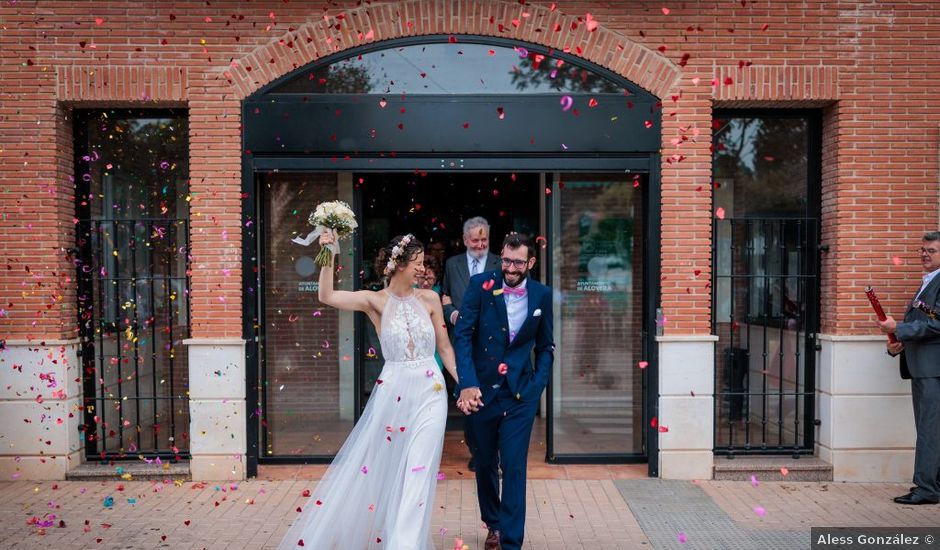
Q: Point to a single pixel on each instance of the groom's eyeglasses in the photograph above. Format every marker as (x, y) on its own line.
(518, 264)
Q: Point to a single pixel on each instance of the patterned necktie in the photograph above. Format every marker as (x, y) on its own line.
(474, 267)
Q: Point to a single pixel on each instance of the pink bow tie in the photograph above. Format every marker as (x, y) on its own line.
(518, 291)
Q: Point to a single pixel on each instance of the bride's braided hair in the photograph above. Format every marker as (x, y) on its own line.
(398, 252)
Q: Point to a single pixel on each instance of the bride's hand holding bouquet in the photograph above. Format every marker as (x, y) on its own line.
(335, 219)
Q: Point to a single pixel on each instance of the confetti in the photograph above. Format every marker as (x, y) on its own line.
(754, 481)
(566, 102)
(590, 22)
(683, 538)
(760, 511)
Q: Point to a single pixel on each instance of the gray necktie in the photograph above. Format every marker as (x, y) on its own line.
(474, 267)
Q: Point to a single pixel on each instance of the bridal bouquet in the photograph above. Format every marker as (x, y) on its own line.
(332, 216)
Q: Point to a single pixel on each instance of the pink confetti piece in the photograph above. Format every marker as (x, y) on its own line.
(590, 22)
(643, 364)
(754, 481)
(784, 471)
(720, 213)
(760, 511)
(566, 102)
(683, 538)
(417, 469)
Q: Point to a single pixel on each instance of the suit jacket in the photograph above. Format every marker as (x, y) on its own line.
(482, 339)
(456, 278)
(921, 336)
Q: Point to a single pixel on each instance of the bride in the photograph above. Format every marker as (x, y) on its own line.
(379, 490)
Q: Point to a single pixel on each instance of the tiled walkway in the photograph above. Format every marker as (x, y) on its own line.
(563, 514)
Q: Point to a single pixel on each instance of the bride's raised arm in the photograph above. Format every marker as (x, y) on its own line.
(360, 300)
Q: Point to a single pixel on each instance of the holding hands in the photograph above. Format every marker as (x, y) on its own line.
(470, 400)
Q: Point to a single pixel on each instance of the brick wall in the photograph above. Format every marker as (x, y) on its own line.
(872, 64)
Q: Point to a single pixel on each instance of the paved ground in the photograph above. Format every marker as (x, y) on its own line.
(563, 513)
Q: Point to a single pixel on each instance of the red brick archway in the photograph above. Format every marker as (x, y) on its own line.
(499, 18)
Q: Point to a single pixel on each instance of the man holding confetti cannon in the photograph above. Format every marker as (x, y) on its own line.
(918, 344)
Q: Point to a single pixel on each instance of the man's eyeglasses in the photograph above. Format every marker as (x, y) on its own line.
(930, 251)
(518, 264)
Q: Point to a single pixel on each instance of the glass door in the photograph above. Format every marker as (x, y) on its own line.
(598, 382)
(306, 349)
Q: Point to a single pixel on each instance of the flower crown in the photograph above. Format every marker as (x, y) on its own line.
(397, 251)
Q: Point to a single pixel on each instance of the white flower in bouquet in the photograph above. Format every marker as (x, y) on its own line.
(334, 217)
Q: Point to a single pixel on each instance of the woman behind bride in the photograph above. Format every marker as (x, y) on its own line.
(379, 490)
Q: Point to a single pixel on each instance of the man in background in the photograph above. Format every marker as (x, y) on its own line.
(457, 273)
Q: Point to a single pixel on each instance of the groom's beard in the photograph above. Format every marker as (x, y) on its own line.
(514, 278)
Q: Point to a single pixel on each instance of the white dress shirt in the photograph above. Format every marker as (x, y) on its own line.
(927, 278)
(517, 307)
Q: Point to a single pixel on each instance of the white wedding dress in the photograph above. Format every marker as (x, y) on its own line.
(379, 491)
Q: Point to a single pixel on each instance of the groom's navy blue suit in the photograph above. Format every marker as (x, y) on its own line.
(500, 431)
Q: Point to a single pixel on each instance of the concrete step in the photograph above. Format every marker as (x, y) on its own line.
(138, 470)
(771, 468)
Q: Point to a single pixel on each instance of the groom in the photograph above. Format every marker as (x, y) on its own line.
(504, 315)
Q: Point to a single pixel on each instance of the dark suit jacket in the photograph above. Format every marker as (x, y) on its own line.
(921, 336)
(456, 278)
(482, 340)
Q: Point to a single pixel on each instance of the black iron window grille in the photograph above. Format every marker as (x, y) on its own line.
(133, 263)
(764, 314)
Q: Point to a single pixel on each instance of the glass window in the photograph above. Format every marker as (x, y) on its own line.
(764, 242)
(132, 206)
(760, 166)
(451, 68)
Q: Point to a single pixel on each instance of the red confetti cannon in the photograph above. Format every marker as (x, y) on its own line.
(879, 311)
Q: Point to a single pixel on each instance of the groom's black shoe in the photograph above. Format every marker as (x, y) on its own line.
(492, 541)
(914, 499)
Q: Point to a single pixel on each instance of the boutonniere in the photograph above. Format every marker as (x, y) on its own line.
(537, 313)
(497, 292)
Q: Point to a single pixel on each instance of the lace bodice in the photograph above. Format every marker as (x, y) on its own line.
(407, 332)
